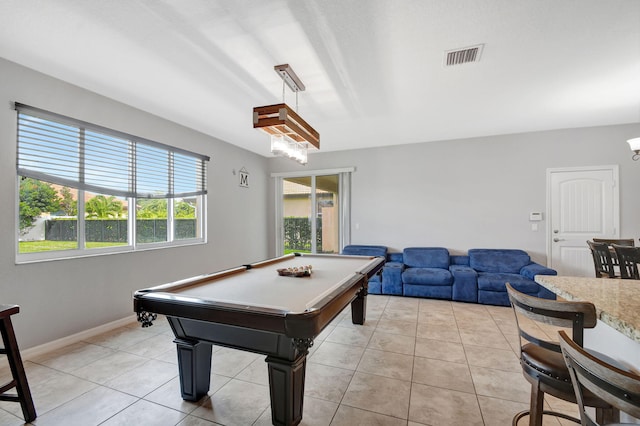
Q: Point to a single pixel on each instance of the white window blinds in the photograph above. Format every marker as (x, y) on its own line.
(65, 151)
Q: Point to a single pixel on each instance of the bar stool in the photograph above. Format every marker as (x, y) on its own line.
(619, 388)
(19, 381)
(541, 359)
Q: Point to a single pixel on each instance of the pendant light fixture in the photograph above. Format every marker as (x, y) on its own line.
(291, 136)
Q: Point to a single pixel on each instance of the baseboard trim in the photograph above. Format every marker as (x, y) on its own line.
(39, 350)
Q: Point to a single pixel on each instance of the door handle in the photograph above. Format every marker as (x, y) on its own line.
(555, 240)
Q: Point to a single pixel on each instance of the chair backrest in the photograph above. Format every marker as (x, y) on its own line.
(621, 242)
(602, 261)
(619, 388)
(629, 259)
(560, 313)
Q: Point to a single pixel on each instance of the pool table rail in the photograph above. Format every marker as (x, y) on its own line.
(169, 300)
(308, 323)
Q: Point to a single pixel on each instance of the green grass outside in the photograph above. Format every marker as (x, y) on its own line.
(287, 251)
(46, 245)
(40, 246)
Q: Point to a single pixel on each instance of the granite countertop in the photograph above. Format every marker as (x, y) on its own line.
(617, 301)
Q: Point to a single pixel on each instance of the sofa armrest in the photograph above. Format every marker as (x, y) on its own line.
(533, 269)
(465, 283)
(392, 278)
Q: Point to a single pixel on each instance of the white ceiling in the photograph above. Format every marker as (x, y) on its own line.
(373, 68)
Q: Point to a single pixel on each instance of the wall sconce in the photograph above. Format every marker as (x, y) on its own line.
(291, 136)
(634, 144)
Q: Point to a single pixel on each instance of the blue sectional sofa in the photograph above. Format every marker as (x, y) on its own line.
(478, 277)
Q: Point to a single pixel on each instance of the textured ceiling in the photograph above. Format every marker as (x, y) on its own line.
(373, 68)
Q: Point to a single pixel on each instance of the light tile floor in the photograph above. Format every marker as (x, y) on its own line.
(414, 362)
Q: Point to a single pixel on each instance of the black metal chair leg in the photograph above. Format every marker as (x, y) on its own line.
(19, 381)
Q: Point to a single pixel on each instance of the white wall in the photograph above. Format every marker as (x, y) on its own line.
(63, 297)
(473, 193)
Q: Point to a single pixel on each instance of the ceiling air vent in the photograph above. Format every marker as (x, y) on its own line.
(463, 56)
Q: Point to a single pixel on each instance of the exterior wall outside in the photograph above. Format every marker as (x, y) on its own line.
(36, 232)
(296, 206)
(330, 223)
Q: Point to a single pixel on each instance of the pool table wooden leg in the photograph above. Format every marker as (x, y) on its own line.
(286, 386)
(359, 307)
(194, 362)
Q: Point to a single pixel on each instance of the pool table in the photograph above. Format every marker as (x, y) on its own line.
(254, 308)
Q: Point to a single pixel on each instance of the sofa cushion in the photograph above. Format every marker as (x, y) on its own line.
(426, 257)
(488, 281)
(363, 250)
(427, 276)
(498, 260)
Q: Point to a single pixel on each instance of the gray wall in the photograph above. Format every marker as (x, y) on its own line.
(63, 297)
(476, 192)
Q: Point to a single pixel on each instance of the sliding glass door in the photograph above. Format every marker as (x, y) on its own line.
(311, 212)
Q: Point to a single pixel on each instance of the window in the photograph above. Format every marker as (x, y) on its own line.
(85, 189)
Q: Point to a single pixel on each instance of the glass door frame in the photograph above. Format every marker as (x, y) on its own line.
(344, 192)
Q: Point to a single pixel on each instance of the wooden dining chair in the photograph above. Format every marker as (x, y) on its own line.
(621, 242)
(629, 259)
(602, 260)
(590, 374)
(541, 359)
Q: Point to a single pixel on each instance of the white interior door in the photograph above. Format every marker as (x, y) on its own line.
(583, 204)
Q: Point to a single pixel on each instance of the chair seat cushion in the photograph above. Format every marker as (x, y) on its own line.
(495, 281)
(427, 276)
(546, 361)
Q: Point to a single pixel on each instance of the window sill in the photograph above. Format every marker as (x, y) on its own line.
(27, 258)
